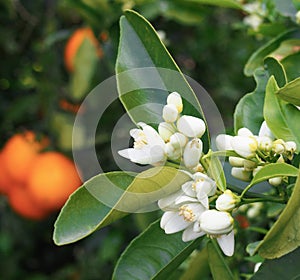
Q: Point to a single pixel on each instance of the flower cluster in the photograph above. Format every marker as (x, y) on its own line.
(177, 139)
(188, 210)
(254, 151)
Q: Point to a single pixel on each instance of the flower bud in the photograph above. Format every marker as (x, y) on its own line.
(236, 161)
(245, 132)
(255, 170)
(215, 222)
(175, 99)
(226, 201)
(166, 130)
(191, 126)
(170, 113)
(290, 149)
(278, 146)
(241, 174)
(276, 181)
(178, 140)
(265, 131)
(244, 146)
(223, 142)
(172, 152)
(192, 153)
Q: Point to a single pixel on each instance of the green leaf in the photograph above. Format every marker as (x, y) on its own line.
(146, 74)
(153, 255)
(108, 197)
(285, 267)
(275, 68)
(256, 60)
(85, 67)
(217, 263)
(291, 92)
(216, 171)
(221, 3)
(274, 170)
(282, 118)
(249, 111)
(198, 266)
(291, 65)
(284, 236)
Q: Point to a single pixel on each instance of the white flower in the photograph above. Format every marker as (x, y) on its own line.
(265, 131)
(226, 201)
(201, 187)
(174, 98)
(191, 126)
(219, 224)
(241, 174)
(178, 140)
(170, 113)
(166, 130)
(172, 152)
(192, 153)
(278, 146)
(149, 147)
(244, 146)
(182, 213)
(223, 142)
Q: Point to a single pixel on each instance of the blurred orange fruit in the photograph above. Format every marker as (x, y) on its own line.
(22, 203)
(19, 152)
(5, 179)
(53, 177)
(75, 42)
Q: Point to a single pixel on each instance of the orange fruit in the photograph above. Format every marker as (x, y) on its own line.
(5, 179)
(19, 152)
(23, 203)
(53, 177)
(75, 42)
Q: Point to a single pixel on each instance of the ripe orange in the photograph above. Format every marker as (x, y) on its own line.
(22, 203)
(53, 177)
(5, 179)
(19, 152)
(75, 42)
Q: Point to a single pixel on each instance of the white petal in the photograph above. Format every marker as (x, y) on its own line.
(188, 189)
(244, 146)
(165, 218)
(176, 223)
(236, 161)
(191, 126)
(241, 174)
(168, 202)
(203, 199)
(226, 243)
(223, 142)
(189, 234)
(185, 199)
(265, 131)
(178, 140)
(152, 135)
(170, 113)
(166, 130)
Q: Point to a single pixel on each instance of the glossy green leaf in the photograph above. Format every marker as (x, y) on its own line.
(291, 92)
(256, 60)
(275, 68)
(286, 267)
(153, 255)
(85, 211)
(146, 74)
(215, 171)
(221, 3)
(274, 170)
(249, 111)
(217, 263)
(282, 118)
(198, 266)
(291, 65)
(85, 66)
(284, 236)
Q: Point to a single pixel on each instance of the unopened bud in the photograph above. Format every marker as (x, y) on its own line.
(244, 146)
(191, 126)
(245, 132)
(192, 153)
(166, 130)
(226, 201)
(175, 99)
(178, 140)
(241, 174)
(236, 161)
(223, 142)
(276, 181)
(278, 146)
(170, 113)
